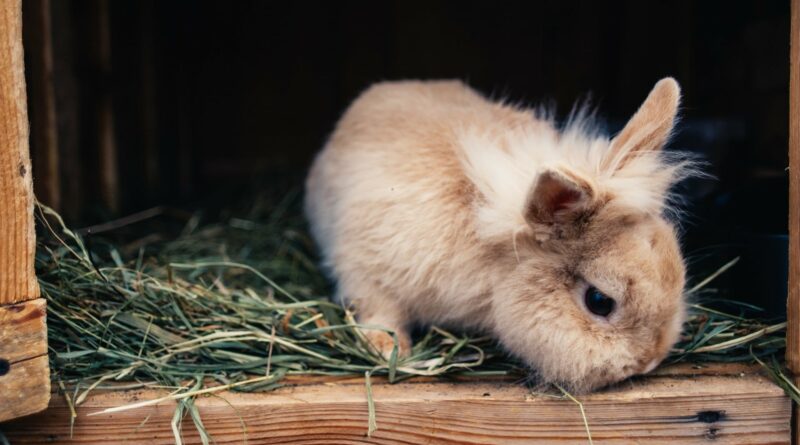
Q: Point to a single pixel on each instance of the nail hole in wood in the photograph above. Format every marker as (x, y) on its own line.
(710, 416)
(5, 366)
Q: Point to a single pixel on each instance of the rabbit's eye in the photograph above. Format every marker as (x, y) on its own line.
(598, 303)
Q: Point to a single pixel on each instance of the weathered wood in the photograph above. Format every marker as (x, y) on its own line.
(793, 309)
(17, 237)
(25, 388)
(24, 370)
(729, 409)
(793, 300)
(23, 333)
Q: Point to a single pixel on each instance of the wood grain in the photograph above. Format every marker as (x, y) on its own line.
(23, 331)
(793, 300)
(793, 308)
(724, 409)
(17, 238)
(25, 389)
(24, 369)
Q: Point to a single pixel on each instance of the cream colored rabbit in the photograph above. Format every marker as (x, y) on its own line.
(434, 205)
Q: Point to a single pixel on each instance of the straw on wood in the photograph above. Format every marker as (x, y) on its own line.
(239, 304)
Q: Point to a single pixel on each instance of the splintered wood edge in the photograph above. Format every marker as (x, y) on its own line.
(731, 409)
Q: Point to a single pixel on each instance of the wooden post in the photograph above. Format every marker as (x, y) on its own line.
(793, 304)
(24, 371)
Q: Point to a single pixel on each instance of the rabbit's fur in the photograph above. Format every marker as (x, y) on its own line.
(435, 205)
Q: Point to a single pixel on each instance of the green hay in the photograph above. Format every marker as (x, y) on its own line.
(240, 305)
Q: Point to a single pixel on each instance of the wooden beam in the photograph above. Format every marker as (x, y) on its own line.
(17, 237)
(25, 388)
(665, 409)
(793, 300)
(24, 369)
(793, 305)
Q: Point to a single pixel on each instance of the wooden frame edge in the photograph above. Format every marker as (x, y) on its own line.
(24, 365)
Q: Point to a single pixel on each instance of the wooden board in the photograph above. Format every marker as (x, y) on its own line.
(793, 300)
(17, 238)
(793, 307)
(673, 409)
(23, 332)
(24, 370)
(25, 388)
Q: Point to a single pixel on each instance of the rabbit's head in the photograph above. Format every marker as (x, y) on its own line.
(596, 292)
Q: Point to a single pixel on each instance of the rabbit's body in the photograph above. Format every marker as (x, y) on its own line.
(427, 203)
(390, 202)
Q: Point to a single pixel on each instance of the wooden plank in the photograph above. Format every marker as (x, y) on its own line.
(25, 388)
(23, 331)
(727, 409)
(38, 35)
(24, 369)
(793, 307)
(17, 237)
(793, 300)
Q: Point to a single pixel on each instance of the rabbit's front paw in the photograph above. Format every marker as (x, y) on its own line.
(383, 343)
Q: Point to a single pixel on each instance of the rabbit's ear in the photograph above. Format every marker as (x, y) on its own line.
(557, 197)
(650, 128)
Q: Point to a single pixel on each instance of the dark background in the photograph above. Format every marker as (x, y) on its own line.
(172, 102)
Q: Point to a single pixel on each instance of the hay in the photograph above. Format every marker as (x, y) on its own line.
(240, 304)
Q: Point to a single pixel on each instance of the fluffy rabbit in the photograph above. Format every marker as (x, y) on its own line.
(435, 205)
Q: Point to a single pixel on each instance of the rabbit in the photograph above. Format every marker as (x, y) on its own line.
(434, 205)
